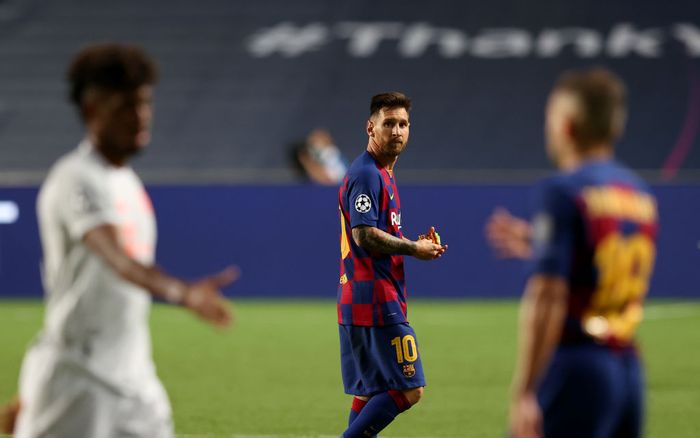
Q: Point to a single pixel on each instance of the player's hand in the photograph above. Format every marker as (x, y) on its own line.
(204, 298)
(526, 417)
(432, 235)
(429, 252)
(8, 416)
(508, 235)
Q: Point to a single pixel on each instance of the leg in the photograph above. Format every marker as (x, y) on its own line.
(65, 403)
(384, 362)
(358, 403)
(8, 416)
(579, 394)
(413, 395)
(633, 412)
(91, 415)
(147, 415)
(381, 410)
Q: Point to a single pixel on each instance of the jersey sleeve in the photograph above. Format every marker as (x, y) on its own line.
(364, 193)
(87, 204)
(553, 230)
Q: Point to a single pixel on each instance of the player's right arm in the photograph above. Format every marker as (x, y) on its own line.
(203, 297)
(542, 314)
(544, 304)
(362, 201)
(375, 240)
(88, 213)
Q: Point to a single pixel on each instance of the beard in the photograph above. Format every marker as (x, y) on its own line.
(394, 148)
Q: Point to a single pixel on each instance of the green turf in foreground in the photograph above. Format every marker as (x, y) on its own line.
(277, 372)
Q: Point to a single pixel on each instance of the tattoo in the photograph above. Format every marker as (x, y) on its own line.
(375, 240)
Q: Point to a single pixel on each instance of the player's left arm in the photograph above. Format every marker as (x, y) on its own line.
(542, 314)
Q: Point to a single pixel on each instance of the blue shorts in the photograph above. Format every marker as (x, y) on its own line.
(377, 359)
(592, 391)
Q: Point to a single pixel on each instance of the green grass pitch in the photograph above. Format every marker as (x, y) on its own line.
(277, 372)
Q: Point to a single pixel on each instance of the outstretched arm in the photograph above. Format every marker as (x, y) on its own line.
(375, 240)
(203, 297)
(508, 235)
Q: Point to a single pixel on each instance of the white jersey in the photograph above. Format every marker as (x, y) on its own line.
(91, 374)
(92, 315)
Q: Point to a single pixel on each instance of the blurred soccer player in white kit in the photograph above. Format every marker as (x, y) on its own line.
(90, 372)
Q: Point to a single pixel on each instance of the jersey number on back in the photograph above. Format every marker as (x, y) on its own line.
(624, 266)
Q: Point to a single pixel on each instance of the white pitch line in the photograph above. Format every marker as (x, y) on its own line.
(671, 311)
(274, 436)
(253, 436)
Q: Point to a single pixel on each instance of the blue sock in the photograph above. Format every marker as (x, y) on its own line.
(357, 406)
(379, 412)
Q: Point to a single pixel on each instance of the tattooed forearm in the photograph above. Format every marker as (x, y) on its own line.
(375, 240)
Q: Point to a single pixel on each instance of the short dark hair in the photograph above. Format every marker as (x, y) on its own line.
(112, 67)
(392, 99)
(603, 101)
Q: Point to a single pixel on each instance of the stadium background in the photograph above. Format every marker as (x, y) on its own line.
(242, 81)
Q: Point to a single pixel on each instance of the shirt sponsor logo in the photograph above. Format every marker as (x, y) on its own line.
(396, 219)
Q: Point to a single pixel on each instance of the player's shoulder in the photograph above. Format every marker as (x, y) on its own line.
(560, 184)
(610, 172)
(365, 169)
(632, 177)
(79, 165)
(555, 194)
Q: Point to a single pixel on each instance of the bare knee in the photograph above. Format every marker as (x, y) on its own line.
(413, 395)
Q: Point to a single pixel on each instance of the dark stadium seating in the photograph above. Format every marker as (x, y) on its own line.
(242, 80)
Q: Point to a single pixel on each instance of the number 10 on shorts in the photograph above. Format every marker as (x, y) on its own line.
(406, 350)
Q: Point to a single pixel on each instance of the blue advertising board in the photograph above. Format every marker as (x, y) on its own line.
(285, 239)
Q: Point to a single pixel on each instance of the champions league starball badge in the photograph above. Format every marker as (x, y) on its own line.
(363, 204)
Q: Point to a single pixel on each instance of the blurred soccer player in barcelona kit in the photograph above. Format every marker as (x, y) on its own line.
(592, 246)
(381, 365)
(90, 373)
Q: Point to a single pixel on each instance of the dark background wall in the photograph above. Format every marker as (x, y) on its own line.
(242, 80)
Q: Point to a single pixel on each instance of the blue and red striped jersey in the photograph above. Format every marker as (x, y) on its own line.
(372, 290)
(596, 227)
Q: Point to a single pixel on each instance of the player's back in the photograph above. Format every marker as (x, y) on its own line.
(613, 223)
(90, 310)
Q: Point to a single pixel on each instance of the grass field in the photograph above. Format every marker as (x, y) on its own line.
(277, 373)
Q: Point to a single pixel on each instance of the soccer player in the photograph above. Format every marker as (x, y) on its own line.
(380, 362)
(592, 245)
(90, 372)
